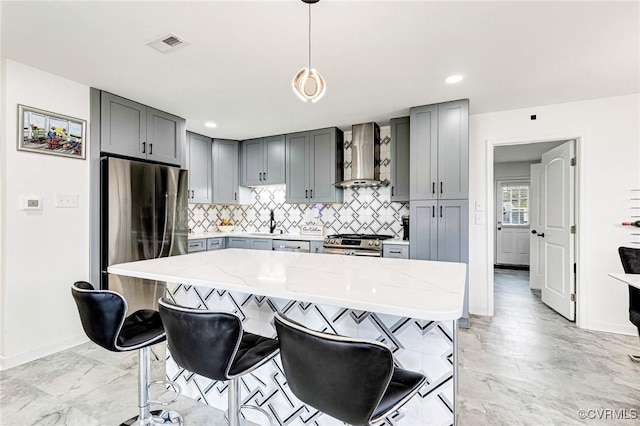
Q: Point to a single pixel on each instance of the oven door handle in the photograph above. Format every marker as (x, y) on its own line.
(333, 251)
(352, 252)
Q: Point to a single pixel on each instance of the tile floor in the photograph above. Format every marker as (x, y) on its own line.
(525, 366)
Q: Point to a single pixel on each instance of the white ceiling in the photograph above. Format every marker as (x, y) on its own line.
(378, 58)
(523, 152)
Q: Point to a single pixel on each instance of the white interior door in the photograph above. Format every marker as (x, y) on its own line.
(512, 230)
(536, 260)
(556, 237)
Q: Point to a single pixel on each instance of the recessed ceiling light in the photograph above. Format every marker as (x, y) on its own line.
(210, 124)
(452, 79)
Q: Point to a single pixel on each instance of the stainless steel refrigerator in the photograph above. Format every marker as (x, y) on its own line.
(143, 215)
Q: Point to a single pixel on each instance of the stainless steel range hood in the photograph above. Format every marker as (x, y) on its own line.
(365, 157)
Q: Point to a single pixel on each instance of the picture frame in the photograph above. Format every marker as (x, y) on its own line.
(48, 132)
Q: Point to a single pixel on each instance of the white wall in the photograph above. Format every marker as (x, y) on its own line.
(42, 252)
(608, 165)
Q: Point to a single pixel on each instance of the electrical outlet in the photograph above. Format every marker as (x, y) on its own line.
(479, 218)
(66, 200)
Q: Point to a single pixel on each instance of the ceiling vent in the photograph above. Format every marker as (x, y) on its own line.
(167, 43)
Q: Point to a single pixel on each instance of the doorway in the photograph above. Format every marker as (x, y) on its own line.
(534, 201)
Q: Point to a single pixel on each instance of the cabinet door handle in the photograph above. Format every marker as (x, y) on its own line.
(433, 211)
(235, 195)
(392, 191)
(150, 149)
(306, 193)
(440, 211)
(260, 176)
(193, 194)
(144, 147)
(311, 191)
(264, 176)
(441, 187)
(433, 187)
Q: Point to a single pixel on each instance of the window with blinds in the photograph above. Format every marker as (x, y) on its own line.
(515, 204)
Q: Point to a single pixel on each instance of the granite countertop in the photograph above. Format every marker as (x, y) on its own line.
(411, 288)
(277, 236)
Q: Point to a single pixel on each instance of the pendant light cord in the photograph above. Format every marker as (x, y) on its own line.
(309, 35)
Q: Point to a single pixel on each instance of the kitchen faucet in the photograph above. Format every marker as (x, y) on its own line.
(272, 223)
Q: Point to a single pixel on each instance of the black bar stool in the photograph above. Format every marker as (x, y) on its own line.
(213, 345)
(104, 318)
(630, 258)
(353, 380)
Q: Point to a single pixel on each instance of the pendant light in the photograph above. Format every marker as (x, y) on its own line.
(308, 83)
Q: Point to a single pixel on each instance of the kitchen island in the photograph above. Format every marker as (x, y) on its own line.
(410, 305)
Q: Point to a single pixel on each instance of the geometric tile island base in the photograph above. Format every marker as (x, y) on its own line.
(419, 345)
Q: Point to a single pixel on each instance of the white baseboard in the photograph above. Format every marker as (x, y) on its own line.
(7, 362)
(629, 330)
(479, 310)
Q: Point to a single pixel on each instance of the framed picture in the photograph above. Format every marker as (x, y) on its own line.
(50, 133)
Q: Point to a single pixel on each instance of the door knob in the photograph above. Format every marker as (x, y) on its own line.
(534, 232)
(499, 228)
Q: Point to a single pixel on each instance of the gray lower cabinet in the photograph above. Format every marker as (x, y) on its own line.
(316, 247)
(225, 181)
(439, 230)
(215, 243)
(263, 161)
(199, 166)
(400, 139)
(313, 166)
(196, 245)
(395, 251)
(134, 130)
(250, 243)
(439, 147)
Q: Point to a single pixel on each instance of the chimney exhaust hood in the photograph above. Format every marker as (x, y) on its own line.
(365, 157)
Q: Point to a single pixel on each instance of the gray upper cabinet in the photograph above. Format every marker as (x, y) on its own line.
(263, 161)
(199, 165)
(424, 152)
(225, 160)
(313, 166)
(400, 131)
(134, 130)
(453, 150)
(439, 230)
(440, 151)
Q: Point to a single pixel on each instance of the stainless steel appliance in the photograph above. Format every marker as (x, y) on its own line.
(291, 245)
(143, 216)
(355, 244)
(405, 228)
(365, 157)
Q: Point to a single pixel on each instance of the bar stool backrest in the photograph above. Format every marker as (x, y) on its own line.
(340, 376)
(102, 313)
(203, 342)
(630, 258)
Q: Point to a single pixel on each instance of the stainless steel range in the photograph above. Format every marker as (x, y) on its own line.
(355, 244)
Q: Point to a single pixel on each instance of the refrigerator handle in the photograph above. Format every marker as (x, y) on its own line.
(164, 231)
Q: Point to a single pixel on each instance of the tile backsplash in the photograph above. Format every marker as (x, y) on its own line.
(364, 210)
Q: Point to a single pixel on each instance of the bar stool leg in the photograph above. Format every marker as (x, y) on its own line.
(233, 409)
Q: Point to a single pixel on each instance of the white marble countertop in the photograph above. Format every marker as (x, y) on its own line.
(410, 288)
(631, 279)
(278, 236)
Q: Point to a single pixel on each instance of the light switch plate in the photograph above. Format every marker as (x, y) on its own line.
(479, 218)
(66, 200)
(479, 206)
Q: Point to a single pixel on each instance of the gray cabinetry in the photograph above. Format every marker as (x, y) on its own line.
(226, 188)
(261, 244)
(316, 247)
(199, 166)
(134, 130)
(263, 161)
(215, 243)
(439, 230)
(313, 166)
(196, 245)
(440, 151)
(400, 159)
(237, 242)
(395, 251)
